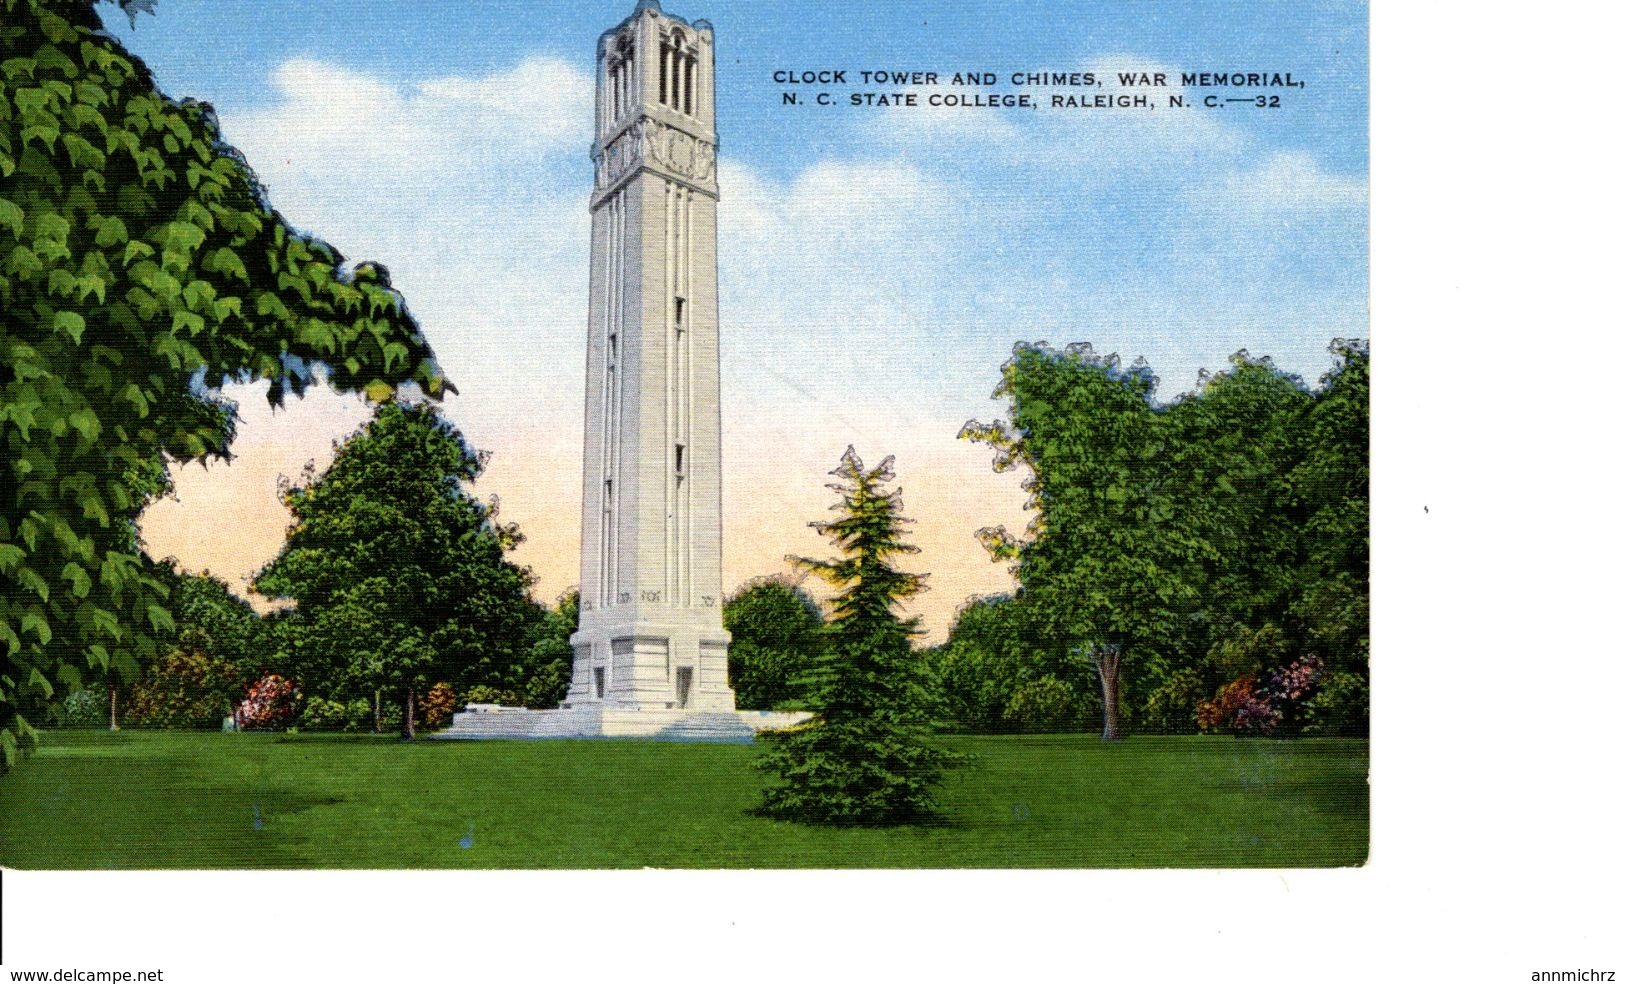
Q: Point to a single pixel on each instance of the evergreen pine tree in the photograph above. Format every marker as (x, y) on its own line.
(865, 758)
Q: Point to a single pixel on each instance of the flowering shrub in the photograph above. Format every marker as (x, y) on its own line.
(188, 687)
(438, 705)
(1220, 713)
(269, 703)
(1248, 706)
(1293, 682)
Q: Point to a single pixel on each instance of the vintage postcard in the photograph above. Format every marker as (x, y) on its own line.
(687, 434)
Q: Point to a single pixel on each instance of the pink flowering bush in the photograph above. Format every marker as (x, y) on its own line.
(1274, 704)
(271, 702)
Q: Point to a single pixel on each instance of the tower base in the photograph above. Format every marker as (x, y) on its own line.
(482, 721)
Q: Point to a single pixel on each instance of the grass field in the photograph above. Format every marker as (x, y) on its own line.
(179, 800)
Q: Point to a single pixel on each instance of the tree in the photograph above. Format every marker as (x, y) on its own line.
(398, 574)
(865, 758)
(204, 602)
(141, 268)
(1215, 539)
(207, 661)
(542, 676)
(538, 675)
(1109, 562)
(1333, 484)
(1231, 446)
(996, 652)
(777, 631)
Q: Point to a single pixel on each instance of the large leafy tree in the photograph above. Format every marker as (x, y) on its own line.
(141, 267)
(538, 674)
(866, 757)
(203, 601)
(777, 631)
(1111, 560)
(399, 575)
(1232, 445)
(1191, 545)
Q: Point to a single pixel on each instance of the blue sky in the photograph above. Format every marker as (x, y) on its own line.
(224, 52)
(876, 266)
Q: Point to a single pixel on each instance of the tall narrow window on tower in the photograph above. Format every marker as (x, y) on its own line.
(688, 91)
(665, 73)
(679, 75)
(621, 88)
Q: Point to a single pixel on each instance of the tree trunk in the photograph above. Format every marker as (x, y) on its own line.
(1108, 660)
(377, 711)
(112, 707)
(408, 726)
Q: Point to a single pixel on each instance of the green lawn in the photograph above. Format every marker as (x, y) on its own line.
(178, 800)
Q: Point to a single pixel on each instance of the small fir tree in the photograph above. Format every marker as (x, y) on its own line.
(865, 758)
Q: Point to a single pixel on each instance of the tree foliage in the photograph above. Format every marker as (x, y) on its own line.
(866, 757)
(187, 687)
(1108, 566)
(538, 674)
(398, 573)
(141, 268)
(777, 630)
(997, 650)
(1182, 547)
(202, 672)
(1331, 486)
(204, 602)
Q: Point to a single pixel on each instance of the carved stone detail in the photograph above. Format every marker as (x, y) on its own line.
(685, 155)
(651, 142)
(623, 154)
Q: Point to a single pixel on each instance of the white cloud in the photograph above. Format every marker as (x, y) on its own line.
(542, 104)
(1289, 182)
(469, 189)
(548, 96)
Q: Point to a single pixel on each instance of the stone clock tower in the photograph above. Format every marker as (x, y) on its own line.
(651, 655)
(651, 635)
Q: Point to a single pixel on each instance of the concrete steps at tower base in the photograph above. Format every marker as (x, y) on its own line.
(605, 721)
